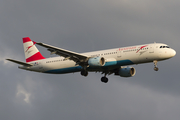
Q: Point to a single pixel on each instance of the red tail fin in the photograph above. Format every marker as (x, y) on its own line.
(30, 50)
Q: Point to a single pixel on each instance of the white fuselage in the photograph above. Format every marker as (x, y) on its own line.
(114, 58)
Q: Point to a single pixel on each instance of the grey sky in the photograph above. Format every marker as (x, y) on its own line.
(82, 26)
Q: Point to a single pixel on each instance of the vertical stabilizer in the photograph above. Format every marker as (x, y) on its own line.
(30, 50)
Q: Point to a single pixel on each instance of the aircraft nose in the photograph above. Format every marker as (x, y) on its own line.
(173, 53)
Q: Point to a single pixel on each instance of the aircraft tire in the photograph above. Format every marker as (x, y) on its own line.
(104, 79)
(84, 73)
(156, 68)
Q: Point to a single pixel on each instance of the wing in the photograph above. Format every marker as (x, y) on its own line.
(76, 57)
(20, 63)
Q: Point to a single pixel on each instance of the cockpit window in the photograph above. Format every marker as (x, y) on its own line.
(164, 47)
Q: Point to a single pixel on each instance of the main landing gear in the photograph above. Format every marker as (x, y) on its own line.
(84, 73)
(155, 65)
(104, 79)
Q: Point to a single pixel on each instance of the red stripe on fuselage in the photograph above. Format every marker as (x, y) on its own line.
(142, 48)
(35, 57)
(26, 39)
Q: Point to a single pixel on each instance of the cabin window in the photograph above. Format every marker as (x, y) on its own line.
(164, 47)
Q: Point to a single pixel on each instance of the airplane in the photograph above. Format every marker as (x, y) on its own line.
(112, 61)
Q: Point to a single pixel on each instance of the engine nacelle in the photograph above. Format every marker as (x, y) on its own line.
(96, 61)
(127, 72)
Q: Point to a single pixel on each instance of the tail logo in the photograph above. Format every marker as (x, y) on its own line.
(30, 46)
(30, 50)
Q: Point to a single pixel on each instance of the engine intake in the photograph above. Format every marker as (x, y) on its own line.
(96, 61)
(127, 72)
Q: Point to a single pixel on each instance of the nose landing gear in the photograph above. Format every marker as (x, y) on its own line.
(155, 65)
(156, 68)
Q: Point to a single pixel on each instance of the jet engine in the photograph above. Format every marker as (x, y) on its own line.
(96, 61)
(126, 72)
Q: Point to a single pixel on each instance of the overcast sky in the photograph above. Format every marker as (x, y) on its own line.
(82, 26)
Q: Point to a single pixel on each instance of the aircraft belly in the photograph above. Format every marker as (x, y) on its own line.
(62, 67)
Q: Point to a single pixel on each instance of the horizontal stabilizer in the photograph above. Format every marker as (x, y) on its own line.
(20, 63)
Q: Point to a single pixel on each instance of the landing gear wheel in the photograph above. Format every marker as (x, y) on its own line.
(84, 73)
(155, 65)
(104, 79)
(156, 68)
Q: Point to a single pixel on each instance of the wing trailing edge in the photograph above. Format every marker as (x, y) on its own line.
(65, 53)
